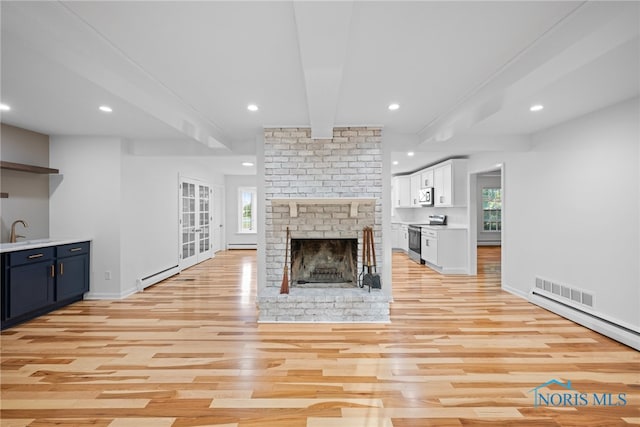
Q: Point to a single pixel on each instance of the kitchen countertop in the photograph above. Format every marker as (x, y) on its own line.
(433, 227)
(444, 227)
(38, 243)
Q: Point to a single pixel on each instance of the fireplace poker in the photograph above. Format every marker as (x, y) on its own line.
(367, 279)
(364, 260)
(375, 284)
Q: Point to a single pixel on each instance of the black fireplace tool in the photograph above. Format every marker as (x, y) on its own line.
(370, 279)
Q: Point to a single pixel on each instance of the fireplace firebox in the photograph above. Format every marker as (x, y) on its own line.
(324, 262)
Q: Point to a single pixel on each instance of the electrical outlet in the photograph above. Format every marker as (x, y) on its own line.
(107, 275)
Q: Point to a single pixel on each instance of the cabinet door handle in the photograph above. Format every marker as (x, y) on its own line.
(61, 268)
(53, 270)
(35, 256)
(75, 249)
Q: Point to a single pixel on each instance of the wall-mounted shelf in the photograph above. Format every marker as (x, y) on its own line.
(21, 167)
(354, 202)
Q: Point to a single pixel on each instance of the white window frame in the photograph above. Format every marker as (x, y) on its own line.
(497, 222)
(254, 210)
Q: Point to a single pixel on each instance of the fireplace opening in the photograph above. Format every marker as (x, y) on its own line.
(324, 262)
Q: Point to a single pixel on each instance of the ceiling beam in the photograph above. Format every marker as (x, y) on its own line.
(323, 38)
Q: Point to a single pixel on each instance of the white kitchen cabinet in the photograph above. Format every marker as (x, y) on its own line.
(404, 238)
(450, 183)
(426, 178)
(429, 246)
(395, 236)
(415, 190)
(445, 249)
(401, 191)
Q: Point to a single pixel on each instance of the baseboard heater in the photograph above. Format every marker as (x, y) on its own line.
(154, 278)
(577, 306)
(242, 246)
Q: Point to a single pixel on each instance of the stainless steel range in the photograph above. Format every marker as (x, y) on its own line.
(414, 242)
(415, 236)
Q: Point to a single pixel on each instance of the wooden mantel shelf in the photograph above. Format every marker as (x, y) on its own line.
(27, 168)
(293, 203)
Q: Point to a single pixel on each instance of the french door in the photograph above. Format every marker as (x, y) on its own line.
(195, 222)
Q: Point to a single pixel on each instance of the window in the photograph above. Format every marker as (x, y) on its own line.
(492, 209)
(247, 210)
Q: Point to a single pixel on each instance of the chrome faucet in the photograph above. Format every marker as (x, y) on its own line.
(14, 236)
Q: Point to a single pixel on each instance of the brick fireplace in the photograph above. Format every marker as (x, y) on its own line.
(324, 191)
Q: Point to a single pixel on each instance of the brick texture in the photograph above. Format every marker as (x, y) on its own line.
(296, 166)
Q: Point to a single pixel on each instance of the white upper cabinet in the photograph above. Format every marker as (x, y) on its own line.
(401, 192)
(450, 183)
(415, 190)
(426, 178)
(448, 179)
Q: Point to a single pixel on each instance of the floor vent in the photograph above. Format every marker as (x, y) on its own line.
(564, 293)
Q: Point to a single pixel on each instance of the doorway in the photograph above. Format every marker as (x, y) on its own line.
(195, 222)
(217, 222)
(486, 213)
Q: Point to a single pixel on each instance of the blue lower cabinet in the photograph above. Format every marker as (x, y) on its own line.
(72, 276)
(37, 281)
(30, 288)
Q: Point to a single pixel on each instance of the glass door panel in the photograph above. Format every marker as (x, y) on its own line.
(195, 219)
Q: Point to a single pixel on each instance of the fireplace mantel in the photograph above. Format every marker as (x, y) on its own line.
(354, 202)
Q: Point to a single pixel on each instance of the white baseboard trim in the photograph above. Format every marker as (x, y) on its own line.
(145, 282)
(441, 270)
(242, 246)
(109, 295)
(516, 292)
(606, 328)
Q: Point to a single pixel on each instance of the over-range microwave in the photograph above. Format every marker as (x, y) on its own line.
(425, 197)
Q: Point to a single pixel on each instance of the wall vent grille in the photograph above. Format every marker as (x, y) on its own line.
(564, 293)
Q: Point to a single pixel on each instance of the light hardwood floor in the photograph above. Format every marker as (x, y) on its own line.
(189, 352)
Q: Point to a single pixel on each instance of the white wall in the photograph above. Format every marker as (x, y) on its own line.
(232, 185)
(150, 223)
(572, 209)
(28, 192)
(128, 204)
(85, 202)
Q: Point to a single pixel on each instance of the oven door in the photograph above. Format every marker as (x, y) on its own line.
(414, 243)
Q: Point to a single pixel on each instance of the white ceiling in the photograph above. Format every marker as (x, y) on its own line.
(184, 72)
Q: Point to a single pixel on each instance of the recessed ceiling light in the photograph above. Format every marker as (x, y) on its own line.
(410, 153)
(252, 107)
(4, 107)
(393, 106)
(247, 164)
(536, 107)
(105, 108)
(395, 162)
